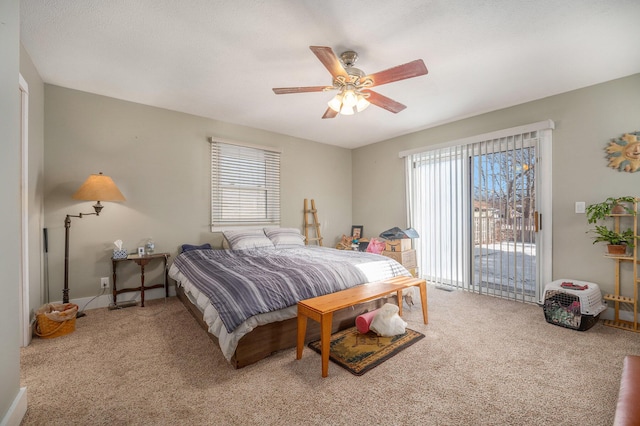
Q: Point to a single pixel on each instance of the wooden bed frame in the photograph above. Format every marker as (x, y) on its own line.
(267, 339)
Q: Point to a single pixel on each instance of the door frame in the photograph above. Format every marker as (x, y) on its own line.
(545, 217)
(25, 323)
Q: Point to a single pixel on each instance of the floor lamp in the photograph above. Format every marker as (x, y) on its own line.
(96, 188)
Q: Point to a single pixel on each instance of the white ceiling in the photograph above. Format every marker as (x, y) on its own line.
(220, 59)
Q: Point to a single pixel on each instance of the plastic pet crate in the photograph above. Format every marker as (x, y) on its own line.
(571, 307)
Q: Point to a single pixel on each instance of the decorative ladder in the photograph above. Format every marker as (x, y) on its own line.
(314, 216)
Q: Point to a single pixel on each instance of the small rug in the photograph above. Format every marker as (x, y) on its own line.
(359, 353)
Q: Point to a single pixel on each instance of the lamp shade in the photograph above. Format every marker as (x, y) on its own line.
(362, 104)
(349, 99)
(336, 102)
(346, 110)
(98, 188)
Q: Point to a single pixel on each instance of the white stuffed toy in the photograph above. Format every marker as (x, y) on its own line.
(387, 322)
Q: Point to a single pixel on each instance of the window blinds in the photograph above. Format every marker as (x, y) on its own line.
(245, 185)
(438, 209)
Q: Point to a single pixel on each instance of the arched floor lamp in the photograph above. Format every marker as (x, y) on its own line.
(96, 188)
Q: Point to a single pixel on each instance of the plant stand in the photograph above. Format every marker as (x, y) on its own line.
(630, 300)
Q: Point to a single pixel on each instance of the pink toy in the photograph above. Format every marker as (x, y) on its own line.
(364, 321)
(376, 246)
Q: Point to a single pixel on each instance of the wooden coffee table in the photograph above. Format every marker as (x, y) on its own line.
(321, 309)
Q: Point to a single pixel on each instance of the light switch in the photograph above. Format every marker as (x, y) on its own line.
(579, 206)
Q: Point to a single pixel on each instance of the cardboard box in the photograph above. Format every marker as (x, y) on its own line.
(406, 258)
(398, 245)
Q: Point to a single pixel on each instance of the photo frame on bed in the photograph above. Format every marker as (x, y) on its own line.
(357, 231)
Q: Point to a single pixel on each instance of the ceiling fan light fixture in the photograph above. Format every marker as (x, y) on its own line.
(362, 104)
(346, 110)
(354, 85)
(349, 99)
(336, 102)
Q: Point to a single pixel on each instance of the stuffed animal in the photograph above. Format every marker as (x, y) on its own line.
(344, 244)
(387, 322)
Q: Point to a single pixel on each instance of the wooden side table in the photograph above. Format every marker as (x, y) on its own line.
(142, 261)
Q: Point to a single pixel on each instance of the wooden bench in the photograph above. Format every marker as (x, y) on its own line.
(321, 309)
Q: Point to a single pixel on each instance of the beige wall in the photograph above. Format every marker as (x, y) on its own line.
(160, 160)
(10, 205)
(585, 121)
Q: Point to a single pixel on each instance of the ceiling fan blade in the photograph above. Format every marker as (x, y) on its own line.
(329, 60)
(409, 70)
(329, 113)
(384, 102)
(287, 90)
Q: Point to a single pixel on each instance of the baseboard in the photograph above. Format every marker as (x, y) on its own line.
(105, 300)
(18, 409)
(609, 314)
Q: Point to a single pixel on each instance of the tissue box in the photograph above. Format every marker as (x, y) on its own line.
(120, 254)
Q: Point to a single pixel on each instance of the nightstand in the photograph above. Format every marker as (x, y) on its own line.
(142, 261)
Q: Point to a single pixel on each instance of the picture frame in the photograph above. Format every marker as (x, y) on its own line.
(357, 231)
(140, 251)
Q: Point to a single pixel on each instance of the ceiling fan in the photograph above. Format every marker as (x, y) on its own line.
(353, 85)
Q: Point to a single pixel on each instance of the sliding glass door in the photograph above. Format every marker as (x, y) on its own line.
(504, 217)
(477, 208)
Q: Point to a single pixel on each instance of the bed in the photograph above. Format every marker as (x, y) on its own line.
(246, 296)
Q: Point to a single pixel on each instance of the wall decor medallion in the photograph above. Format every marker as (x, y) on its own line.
(624, 152)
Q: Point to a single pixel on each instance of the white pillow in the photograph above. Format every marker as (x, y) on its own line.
(285, 237)
(247, 239)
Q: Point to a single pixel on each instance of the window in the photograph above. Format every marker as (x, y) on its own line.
(245, 185)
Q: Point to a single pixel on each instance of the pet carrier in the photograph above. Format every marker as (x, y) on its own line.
(573, 304)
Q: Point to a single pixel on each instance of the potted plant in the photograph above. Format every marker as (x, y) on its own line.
(617, 241)
(599, 211)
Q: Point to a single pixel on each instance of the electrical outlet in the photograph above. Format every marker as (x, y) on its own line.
(104, 282)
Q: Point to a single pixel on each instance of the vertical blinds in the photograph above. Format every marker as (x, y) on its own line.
(245, 185)
(438, 209)
(474, 207)
(504, 214)
(473, 203)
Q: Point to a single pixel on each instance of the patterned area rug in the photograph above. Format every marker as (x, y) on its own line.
(359, 353)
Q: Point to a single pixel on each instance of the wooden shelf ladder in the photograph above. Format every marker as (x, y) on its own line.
(313, 224)
(630, 301)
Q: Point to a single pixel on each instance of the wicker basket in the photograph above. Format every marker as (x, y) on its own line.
(55, 320)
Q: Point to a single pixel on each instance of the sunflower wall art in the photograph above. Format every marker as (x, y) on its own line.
(624, 153)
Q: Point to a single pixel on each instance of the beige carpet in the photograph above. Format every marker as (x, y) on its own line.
(484, 361)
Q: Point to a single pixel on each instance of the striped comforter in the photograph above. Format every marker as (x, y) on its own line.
(244, 283)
